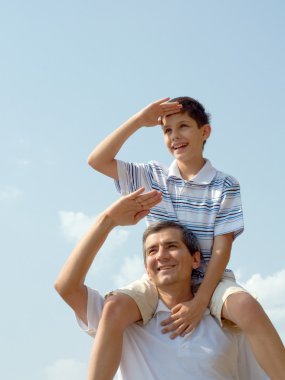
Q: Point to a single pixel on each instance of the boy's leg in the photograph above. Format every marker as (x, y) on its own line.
(119, 312)
(243, 310)
(135, 302)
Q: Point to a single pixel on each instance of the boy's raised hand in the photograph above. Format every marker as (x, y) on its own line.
(151, 115)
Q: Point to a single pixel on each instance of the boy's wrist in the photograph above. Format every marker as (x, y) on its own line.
(202, 298)
(137, 121)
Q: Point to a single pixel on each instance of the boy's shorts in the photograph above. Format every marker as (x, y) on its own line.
(145, 294)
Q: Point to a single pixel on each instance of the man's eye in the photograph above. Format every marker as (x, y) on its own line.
(151, 252)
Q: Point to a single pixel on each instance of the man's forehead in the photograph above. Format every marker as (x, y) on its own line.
(165, 235)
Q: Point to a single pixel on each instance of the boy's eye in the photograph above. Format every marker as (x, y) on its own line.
(167, 130)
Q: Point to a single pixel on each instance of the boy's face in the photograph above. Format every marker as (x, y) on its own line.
(182, 136)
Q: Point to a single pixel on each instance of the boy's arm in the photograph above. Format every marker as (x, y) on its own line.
(126, 211)
(221, 253)
(103, 156)
(186, 316)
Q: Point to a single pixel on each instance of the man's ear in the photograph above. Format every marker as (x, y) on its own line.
(206, 131)
(196, 259)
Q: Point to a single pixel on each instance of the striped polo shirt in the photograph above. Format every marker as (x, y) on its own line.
(209, 204)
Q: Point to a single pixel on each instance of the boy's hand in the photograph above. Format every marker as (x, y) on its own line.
(152, 114)
(131, 208)
(184, 318)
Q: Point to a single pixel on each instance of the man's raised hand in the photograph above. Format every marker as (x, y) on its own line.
(131, 208)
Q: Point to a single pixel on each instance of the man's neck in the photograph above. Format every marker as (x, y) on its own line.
(171, 296)
(189, 169)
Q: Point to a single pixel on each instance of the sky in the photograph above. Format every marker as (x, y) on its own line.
(71, 72)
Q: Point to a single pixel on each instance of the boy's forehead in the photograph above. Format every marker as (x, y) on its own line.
(177, 118)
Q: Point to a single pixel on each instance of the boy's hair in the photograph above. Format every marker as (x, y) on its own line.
(194, 109)
(187, 236)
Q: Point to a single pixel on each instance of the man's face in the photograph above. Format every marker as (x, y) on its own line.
(182, 136)
(168, 261)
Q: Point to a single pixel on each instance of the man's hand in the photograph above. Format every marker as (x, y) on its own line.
(184, 318)
(152, 114)
(131, 208)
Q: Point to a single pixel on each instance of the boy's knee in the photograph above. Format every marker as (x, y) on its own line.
(244, 310)
(120, 310)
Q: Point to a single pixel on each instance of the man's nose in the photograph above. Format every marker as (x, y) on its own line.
(162, 253)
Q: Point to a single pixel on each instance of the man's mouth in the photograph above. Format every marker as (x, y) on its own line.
(165, 267)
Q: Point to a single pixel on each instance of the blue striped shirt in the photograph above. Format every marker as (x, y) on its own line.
(209, 204)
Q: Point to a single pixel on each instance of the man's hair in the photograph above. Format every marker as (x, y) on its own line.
(187, 236)
(194, 109)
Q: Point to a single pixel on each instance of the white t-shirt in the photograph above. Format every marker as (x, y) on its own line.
(208, 353)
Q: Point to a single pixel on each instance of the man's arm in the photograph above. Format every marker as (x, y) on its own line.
(103, 156)
(127, 210)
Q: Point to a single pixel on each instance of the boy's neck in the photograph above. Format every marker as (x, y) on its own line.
(188, 170)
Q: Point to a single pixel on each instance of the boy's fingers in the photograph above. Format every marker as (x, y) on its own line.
(163, 100)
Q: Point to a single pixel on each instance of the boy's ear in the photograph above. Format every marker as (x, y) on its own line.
(206, 131)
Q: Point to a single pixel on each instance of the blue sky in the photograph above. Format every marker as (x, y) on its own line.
(71, 72)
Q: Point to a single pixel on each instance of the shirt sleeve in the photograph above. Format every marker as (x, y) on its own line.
(230, 214)
(132, 176)
(95, 304)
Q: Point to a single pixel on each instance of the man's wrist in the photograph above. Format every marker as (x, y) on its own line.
(107, 221)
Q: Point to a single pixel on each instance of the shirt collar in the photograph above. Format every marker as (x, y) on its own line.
(161, 307)
(203, 177)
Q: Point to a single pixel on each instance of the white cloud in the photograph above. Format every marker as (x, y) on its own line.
(10, 193)
(75, 224)
(66, 369)
(132, 269)
(270, 293)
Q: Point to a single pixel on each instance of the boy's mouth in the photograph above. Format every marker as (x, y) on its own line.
(179, 146)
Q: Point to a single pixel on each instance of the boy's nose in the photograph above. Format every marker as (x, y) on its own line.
(175, 135)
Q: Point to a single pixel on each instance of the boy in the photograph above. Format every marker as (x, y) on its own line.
(203, 199)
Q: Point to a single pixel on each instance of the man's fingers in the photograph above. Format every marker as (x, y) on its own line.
(140, 215)
(148, 200)
(136, 193)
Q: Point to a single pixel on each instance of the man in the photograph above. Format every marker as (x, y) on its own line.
(171, 254)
